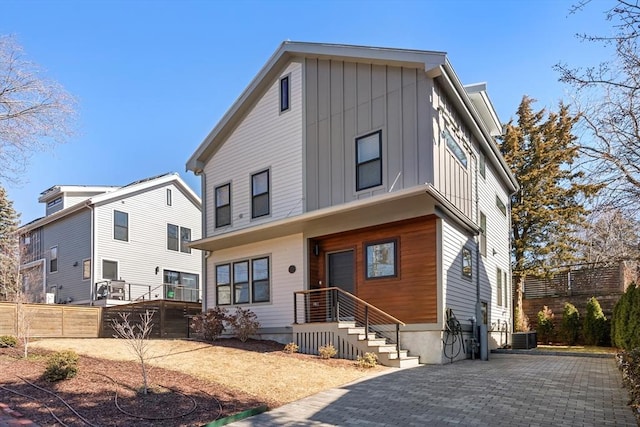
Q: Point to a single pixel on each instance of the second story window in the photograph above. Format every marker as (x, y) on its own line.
(185, 238)
(260, 203)
(53, 260)
(172, 237)
(500, 204)
(121, 226)
(369, 161)
(169, 197)
(483, 234)
(483, 165)
(284, 94)
(223, 205)
(454, 147)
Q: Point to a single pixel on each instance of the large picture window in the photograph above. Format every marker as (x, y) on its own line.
(244, 281)
(121, 226)
(260, 203)
(369, 161)
(381, 259)
(223, 205)
(181, 286)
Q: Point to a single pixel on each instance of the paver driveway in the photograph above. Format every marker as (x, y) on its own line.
(507, 390)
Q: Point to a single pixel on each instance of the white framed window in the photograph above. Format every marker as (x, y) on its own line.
(483, 165)
(185, 239)
(483, 234)
(499, 286)
(243, 281)
(53, 260)
(121, 226)
(369, 161)
(169, 197)
(173, 242)
(260, 199)
(109, 269)
(501, 206)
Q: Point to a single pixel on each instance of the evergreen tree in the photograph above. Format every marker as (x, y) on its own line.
(8, 247)
(570, 323)
(593, 328)
(547, 210)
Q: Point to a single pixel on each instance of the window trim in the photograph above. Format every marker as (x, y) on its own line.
(116, 226)
(227, 284)
(285, 93)
(84, 269)
(499, 296)
(455, 148)
(254, 196)
(502, 207)
(235, 283)
(216, 207)
(250, 283)
(253, 280)
(53, 259)
(377, 159)
(396, 261)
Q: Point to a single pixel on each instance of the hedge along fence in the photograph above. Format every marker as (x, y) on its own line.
(51, 320)
(625, 324)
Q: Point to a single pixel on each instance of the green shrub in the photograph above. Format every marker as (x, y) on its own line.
(291, 348)
(244, 323)
(570, 323)
(593, 328)
(61, 365)
(369, 360)
(545, 324)
(625, 324)
(8, 341)
(327, 351)
(211, 323)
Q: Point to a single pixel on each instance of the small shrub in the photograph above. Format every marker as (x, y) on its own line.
(625, 325)
(545, 324)
(327, 351)
(570, 323)
(211, 323)
(593, 328)
(369, 360)
(291, 348)
(244, 323)
(61, 365)
(8, 341)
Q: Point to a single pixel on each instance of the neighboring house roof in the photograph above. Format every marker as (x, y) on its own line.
(115, 193)
(472, 99)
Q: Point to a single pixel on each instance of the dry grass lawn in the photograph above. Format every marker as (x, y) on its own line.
(268, 373)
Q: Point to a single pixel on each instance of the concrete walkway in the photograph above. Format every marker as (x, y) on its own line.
(508, 390)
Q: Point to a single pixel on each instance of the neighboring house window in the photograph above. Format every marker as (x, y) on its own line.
(109, 270)
(223, 205)
(181, 286)
(483, 165)
(121, 226)
(500, 204)
(172, 237)
(169, 197)
(54, 202)
(244, 281)
(483, 234)
(53, 260)
(185, 238)
(467, 265)
(381, 259)
(86, 269)
(454, 147)
(260, 203)
(505, 292)
(499, 286)
(284, 94)
(369, 161)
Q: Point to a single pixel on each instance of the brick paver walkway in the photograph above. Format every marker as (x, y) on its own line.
(508, 390)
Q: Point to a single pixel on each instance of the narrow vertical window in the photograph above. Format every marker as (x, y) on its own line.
(499, 286)
(260, 203)
(483, 165)
(260, 276)
(185, 238)
(467, 265)
(369, 161)
(223, 284)
(500, 204)
(505, 293)
(241, 282)
(169, 199)
(53, 260)
(483, 234)
(172, 237)
(121, 226)
(223, 205)
(284, 94)
(86, 269)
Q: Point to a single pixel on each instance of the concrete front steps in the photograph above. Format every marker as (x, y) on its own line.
(350, 341)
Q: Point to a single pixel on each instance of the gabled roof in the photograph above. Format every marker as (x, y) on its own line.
(115, 194)
(434, 63)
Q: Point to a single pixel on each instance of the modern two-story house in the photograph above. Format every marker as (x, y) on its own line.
(101, 245)
(354, 187)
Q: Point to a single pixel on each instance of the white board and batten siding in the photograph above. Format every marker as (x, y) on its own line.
(264, 139)
(146, 249)
(282, 252)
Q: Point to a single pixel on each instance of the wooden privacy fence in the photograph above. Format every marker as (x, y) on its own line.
(50, 320)
(170, 318)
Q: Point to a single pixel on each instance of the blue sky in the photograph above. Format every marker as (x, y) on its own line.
(152, 78)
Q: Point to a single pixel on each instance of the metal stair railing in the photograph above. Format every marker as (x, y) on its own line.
(336, 305)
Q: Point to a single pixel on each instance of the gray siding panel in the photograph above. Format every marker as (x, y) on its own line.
(409, 126)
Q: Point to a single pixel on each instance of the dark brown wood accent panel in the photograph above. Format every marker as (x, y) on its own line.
(412, 295)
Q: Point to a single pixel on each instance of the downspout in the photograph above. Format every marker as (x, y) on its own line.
(478, 315)
(92, 255)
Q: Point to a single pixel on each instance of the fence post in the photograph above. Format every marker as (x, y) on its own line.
(398, 339)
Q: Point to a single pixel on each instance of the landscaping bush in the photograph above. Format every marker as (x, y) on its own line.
(570, 323)
(594, 326)
(545, 325)
(625, 324)
(327, 351)
(369, 360)
(291, 348)
(61, 365)
(8, 341)
(629, 364)
(211, 323)
(244, 323)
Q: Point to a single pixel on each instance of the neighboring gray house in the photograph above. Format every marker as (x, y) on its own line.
(348, 181)
(111, 245)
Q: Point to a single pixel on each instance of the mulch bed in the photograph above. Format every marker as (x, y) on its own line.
(106, 393)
